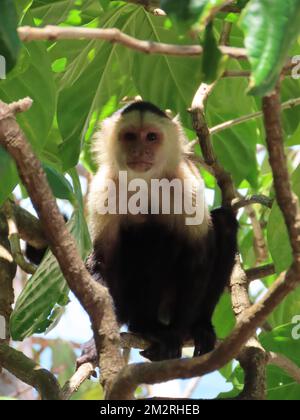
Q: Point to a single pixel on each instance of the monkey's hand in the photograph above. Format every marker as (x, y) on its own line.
(88, 355)
(205, 340)
(163, 350)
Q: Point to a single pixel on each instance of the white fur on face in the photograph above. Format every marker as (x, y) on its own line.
(107, 147)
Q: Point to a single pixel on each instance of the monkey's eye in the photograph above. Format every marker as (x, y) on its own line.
(152, 136)
(129, 136)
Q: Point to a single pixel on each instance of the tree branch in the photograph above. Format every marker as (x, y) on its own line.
(260, 272)
(54, 33)
(239, 203)
(254, 360)
(13, 237)
(94, 297)
(83, 373)
(8, 270)
(286, 199)
(29, 372)
(247, 73)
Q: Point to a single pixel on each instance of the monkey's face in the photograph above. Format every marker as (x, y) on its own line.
(141, 146)
(141, 139)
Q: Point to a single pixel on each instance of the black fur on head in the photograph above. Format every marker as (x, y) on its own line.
(143, 106)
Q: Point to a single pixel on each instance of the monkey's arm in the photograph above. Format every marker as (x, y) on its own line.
(36, 255)
(225, 231)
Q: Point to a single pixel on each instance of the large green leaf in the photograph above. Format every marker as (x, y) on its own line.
(22, 7)
(280, 249)
(71, 12)
(211, 56)
(170, 82)
(33, 77)
(270, 29)
(280, 386)
(104, 72)
(9, 40)
(60, 186)
(290, 89)
(236, 147)
(286, 311)
(280, 340)
(278, 239)
(36, 307)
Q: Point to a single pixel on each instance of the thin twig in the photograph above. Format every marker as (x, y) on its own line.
(229, 124)
(13, 236)
(83, 373)
(286, 365)
(7, 273)
(239, 203)
(260, 272)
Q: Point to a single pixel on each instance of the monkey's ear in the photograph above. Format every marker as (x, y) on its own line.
(176, 119)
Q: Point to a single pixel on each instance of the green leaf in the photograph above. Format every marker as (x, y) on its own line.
(22, 7)
(280, 340)
(191, 11)
(8, 175)
(278, 240)
(68, 12)
(33, 77)
(173, 81)
(223, 319)
(63, 355)
(290, 89)
(60, 186)
(211, 56)
(46, 290)
(235, 147)
(104, 4)
(270, 29)
(285, 312)
(280, 386)
(100, 70)
(9, 40)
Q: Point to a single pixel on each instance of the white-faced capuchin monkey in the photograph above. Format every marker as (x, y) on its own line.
(165, 275)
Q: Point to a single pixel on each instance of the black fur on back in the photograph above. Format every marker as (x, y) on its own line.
(166, 287)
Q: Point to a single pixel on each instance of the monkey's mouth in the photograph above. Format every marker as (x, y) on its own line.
(140, 166)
